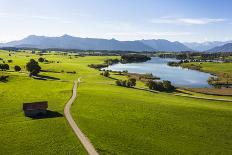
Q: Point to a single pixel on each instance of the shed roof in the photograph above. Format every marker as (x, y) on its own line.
(35, 106)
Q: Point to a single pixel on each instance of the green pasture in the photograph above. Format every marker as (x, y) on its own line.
(117, 120)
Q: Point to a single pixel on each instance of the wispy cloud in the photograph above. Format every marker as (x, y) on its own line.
(35, 17)
(187, 21)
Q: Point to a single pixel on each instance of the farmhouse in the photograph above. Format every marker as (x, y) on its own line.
(35, 108)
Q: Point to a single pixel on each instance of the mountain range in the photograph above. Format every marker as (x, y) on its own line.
(70, 42)
(205, 46)
(224, 48)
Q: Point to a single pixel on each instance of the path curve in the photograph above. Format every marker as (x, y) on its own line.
(83, 139)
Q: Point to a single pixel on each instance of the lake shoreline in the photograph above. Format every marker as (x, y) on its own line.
(180, 77)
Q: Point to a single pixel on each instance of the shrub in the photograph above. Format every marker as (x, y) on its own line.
(132, 82)
(41, 59)
(17, 68)
(105, 73)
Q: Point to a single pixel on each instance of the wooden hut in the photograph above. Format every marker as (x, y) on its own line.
(35, 108)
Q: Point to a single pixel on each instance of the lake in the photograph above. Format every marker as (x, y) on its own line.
(158, 67)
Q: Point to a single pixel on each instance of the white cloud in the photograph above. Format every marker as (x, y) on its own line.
(187, 21)
(35, 17)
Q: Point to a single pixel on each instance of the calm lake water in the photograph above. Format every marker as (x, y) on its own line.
(158, 67)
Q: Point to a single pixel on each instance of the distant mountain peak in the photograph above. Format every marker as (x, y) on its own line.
(204, 46)
(66, 36)
(224, 48)
(70, 42)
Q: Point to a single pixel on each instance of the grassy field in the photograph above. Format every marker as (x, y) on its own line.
(128, 121)
(117, 120)
(218, 69)
(22, 135)
(213, 67)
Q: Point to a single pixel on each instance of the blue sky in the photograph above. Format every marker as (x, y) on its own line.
(175, 20)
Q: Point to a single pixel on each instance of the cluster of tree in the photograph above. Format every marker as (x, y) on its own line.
(126, 83)
(173, 63)
(4, 67)
(105, 73)
(98, 66)
(33, 67)
(111, 61)
(160, 86)
(130, 58)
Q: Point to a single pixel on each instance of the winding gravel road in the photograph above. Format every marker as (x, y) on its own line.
(83, 139)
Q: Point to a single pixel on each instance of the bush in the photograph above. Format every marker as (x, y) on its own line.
(126, 83)
(17, 68)
(41, 59)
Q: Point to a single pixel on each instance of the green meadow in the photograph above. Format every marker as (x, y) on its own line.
(213, 67)
(117, 120)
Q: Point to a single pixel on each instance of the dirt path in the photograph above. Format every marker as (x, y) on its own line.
(83, 139)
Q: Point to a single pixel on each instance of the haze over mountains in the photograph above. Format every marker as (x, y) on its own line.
(70, 42)
(205, 46)
(224, 48)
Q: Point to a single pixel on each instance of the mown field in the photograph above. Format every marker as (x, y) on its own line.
(117, 120)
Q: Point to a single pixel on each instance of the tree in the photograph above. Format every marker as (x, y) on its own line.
(105, 73)
(41, 59)
(168, 86)
(4, 67)
(132, 82)
(33, 67)
(17, 68)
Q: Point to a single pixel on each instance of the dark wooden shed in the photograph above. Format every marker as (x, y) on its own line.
(35, 108)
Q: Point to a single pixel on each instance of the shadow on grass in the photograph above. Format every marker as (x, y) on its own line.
(112, 78)
(44, 77)
(49, 114)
